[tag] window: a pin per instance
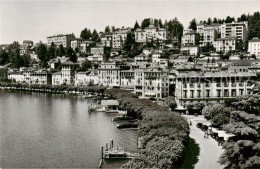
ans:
(233, 92)
(198, 93)
(241, 91)
(226, 93)
(192, 93)
(185, 93)
(207, 93)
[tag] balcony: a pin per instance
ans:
(233, 84)
(218, 84)
(226, 84)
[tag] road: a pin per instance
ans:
(209, 149)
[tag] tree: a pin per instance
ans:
(193, 24)
(215, 20)
(85, 34)
(72, 56)
(145, 23)
(61, 50)
(129, 42)
(209, 21)
(136, 25)
(51, 50)
(229, 19)
(3, 57)
(107, 29)
(42, 52)
(94, 35)
(86, 65)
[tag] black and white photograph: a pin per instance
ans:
(130, 84)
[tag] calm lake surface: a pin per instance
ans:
(44, 130)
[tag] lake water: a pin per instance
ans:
(44, 130)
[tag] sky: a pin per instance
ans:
(35, 20)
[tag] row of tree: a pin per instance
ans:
(163, 133)
(241, 118)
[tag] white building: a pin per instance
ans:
(190, 50)
(64, 40)
(109, 74)
(149, 33)
(16, 77)
(188, 37)
(86, 78)
(208, 35)
(151, 83)
(119, 37)
(195, 85)
(147, 51)
(75, 43)
(225, 44)
(234, 29)
(84, 45)
(254, 46)
(40, 78)
(25, 48)
(97, 57)
(106, 40)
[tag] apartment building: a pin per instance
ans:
(109, 74)
(234, 29)
(190, 50)
(106, 40)
(75, 43)
(149, 33)
(188, 37)
(254, 46)
(151, 83)
(127, 79)
(41, 78)
(208, 35)
(119, 37)
(64, 40)
(225, 44)
(195, 85)
(86, 78)
(67, 74)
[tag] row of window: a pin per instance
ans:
(225, 94)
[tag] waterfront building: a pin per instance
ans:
(109, 74)
(225, 44)
(254, 46)
(127, 79)
(16, 77)
(64, 40)
(190, 50)
(56, 78)
(151, 82)
(195, 85)
(119, 37)
(75, 43)
(234, 29)
(150, 33)
(40, 78)
(86, 78)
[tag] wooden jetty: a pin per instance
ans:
(112, 152)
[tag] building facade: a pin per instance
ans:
(64, 40)
(234, 29)
(254, 46)
(119, 37)
(225, 44)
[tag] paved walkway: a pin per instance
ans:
(209, 149)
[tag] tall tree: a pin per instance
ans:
(215, 20)
(136, 25)
(85, 34)
(3, 57)
(209, 21)
(193, 24)
(145, 23)
(51, 50)
(94, 35)
(61, 50)
(42, 52)
(107, 29)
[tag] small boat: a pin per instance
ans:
(122, 118)
(127, 125)
(103, 109)
(112, 111)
